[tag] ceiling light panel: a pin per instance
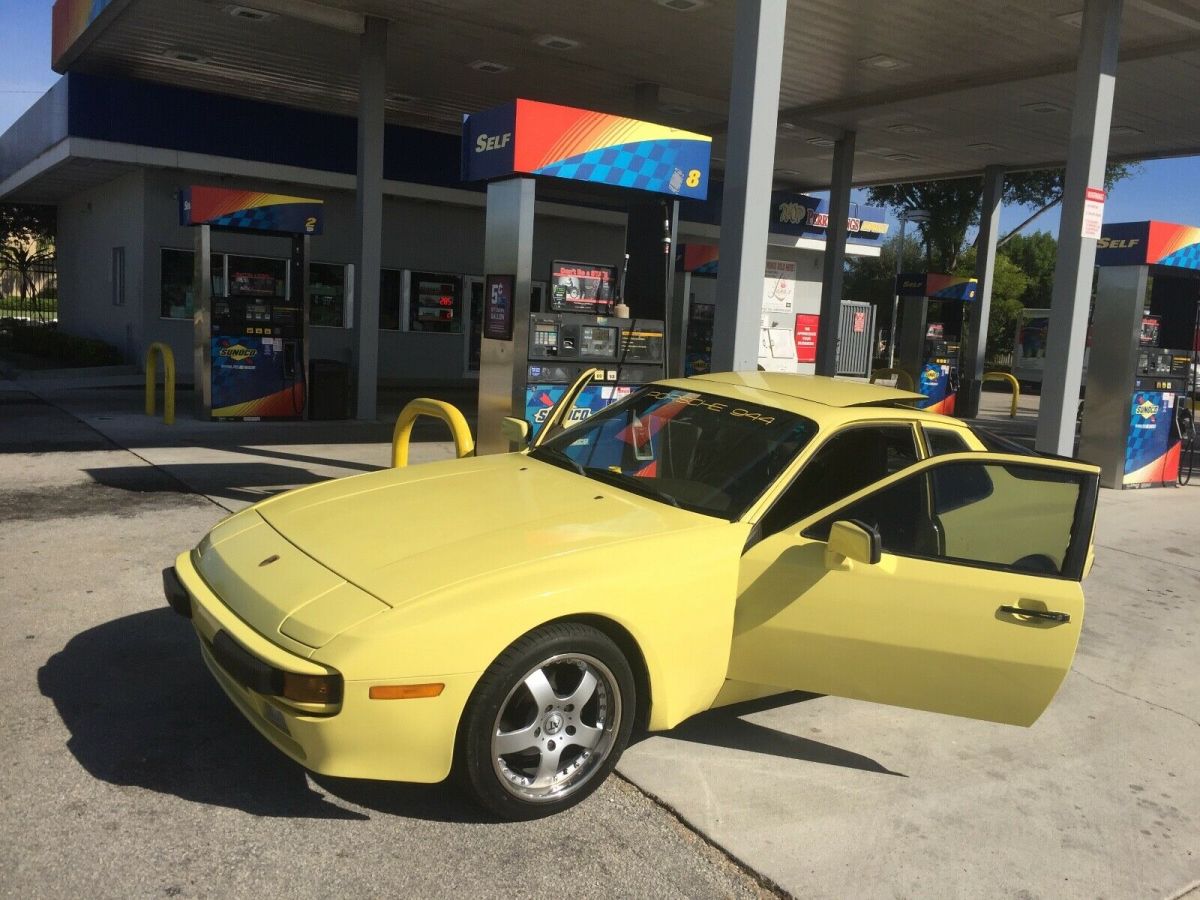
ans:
(682, 5)
(250, 14)
(908, 128)
(489, 67)
(883, 61)
(556, 42)
(1043, 107)
(179, 54)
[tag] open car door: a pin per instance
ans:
(952, 586)
(559, 417)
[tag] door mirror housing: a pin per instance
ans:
(514, 430)
(853, 540)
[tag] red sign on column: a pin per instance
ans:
(806, 337)
(860, 322)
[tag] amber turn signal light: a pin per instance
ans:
(311, 688)
(405, 691)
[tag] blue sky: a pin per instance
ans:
(1166, 189)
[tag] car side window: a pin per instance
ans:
(995, 515)
(941, 441)
(848, 461)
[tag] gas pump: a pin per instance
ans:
(627, 352)
(249, 335)
(1138, 406)
(257, 345)
(931, 332)
(511, 145)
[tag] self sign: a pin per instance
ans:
(492, 141)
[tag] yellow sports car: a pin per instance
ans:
(706, 540)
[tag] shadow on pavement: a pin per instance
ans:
(234, 480)
(725, 727)
(143, 711)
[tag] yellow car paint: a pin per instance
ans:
(426, 574)
(905, 631)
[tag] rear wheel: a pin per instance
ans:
(547, 721)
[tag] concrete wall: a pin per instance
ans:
(422, 235)
(90, 225)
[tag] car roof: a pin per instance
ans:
(812, 388)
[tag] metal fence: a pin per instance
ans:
(855, 338)
(30, 294)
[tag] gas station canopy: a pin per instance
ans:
(931, 89)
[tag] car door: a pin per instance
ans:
(972, 605)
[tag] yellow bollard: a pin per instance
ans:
(464, 444)
(155, 350)
(899, 375)
(1016, 387)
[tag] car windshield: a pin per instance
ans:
(701, 452)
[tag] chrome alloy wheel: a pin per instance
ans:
(556, 727)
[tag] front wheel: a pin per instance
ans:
(547, 721)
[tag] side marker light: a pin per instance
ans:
(405, 691)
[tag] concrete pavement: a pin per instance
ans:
(1100, 798)
(820, 796)
(127, 773)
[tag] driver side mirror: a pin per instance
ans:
(854, 540)
(514, 430)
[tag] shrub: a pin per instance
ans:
(68, 350)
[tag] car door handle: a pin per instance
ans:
(1047, 614)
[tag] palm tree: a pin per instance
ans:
(24, 259)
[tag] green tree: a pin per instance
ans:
(27, 222)
(873, 278)
(1009, 285)
(26, 244)
(954, 206)
(1035, 255)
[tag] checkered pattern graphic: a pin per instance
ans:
(1145, 445)
(261, 218)
(646, 165)
(1186, 258)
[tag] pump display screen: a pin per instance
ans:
(582, 287)
(597, 341)
(642, 345)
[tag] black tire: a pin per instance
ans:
(572, 745)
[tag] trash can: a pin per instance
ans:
(328, 389)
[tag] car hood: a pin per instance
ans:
(400, 534)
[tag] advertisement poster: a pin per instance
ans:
(582, 288)
(806, 337)
(497, 307)
(779, 287)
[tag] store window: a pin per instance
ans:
(435, 303)
(327, 295)
(175, 281)
(391, 285)
(257, 276)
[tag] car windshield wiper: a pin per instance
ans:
(556, 458)
(630, 483)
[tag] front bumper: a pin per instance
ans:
(393, 740)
